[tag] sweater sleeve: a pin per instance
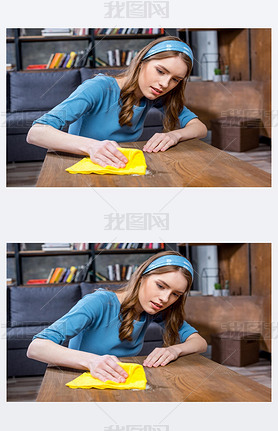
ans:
(86, 97)
(82, 315)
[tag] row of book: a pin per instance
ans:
(68, 60)
(65, 60)
(120, 31)
(56, 246)
(129, 245)
(119, 57)
(117, 272)
(64, 32)
(66, 275)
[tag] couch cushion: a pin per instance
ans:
(34, 306)
(154, 332)
(87, 288)
(153, 118)
(41, 91)
(21, 337)
(87, 73)
(19, 123)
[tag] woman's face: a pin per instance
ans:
(159, 291)
(158, 77)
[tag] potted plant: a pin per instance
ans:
(217, 290)
(217, 75)
(226, 76)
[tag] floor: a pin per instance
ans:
(27, 388)
(25, 174)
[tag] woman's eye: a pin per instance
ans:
(160, 286)
(160, 71)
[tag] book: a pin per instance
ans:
(129, 272)
(129, 57)
(36, 66)
(50, 275)
(110, 58)
(71, 59)
(110, 271)
(37, 281)
(56, 275)
(67, 273)
(50, 60)
(73, 270)
(117, 57)
(100, 277)
(54, 60)
(117, 272)
(57, 32)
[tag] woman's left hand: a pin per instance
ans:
(161, 356)
(161, 142)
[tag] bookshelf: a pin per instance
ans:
(34, 263)
(25, 263)
(19, 41)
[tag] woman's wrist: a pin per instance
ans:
(86, 145)
(86, 359)
(177, 348)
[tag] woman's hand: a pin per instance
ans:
(161, 142)
(161, 356)
(106, 368)
(106, 153)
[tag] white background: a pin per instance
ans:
(196, 215)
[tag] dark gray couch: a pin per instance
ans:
(31, 309)
(31, 94)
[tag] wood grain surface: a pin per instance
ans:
(188, 379)
(191, 163)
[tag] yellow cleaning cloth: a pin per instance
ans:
(136, 165)
(136, 379)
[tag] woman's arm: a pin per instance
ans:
(162, 356)
(103, 367)
(162, 141)
(101, 152)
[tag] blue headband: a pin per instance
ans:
(170, 45)
(171, 259)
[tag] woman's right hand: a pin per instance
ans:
(106, 368)
(106, 153)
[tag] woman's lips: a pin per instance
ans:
(156, 91)
(156, 306)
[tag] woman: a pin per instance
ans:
(106, 110)
(106, 324)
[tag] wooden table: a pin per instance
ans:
(190, 378)
(189, 164)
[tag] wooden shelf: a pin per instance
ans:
(127, 36)
(52, 38)
(28, 253)
(129, 250)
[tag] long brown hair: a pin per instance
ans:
(173, 316)
(174, 100)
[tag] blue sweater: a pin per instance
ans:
(93, 111)
(93, 326)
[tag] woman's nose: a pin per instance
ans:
(164, 81)
(164, 296)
